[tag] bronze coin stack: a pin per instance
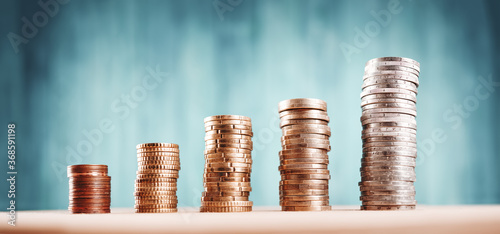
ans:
(228, 164)
(389, 135)
(304, 155)
(89, 189)
(156, 183)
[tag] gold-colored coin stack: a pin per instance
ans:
(228, 164)
(304, 156)
(89, 189)
(156, 183)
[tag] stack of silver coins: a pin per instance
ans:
(389, 112)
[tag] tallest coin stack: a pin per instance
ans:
(388, 103)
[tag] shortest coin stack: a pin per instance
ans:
(304, 158)
(89, 189)
(156, 183)
(228, 164)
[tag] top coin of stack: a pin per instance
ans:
(156, 183)
(228, 164)
(304, 158)
(89, 189)
(388, 103)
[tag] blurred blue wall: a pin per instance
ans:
(90, 56)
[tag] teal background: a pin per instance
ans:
(67, 78)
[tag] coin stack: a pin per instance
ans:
(156, 183)
(228, 164)
(89, 189)
(304, 155)
(388, 103)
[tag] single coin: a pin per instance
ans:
(227, 136)
(238, 146)
(384, 73)
(228, 189)
(389, 192)
(309, 192)
(302, 103)
(226, 184)
(227, 150)
(323, 156)
(226, 179)
(157, 145)
(391, 110)
(386, 188)
(228, 127)
(157, 149)
(381, 80)
(384, 134)
(228, 160)
(389, 129)
(305, 176)
(389, 143)
(304, 182)
(226, 193)
(304, 151)
(228, 131)
(370, 101)
(412, 207)
(323, 117)
(147, 210)
(400, 173)
(225, 141)
(155, 193)
(307, 131)
(302, 112)
(226, 174)
(304, 171)
(284, 123)
(389, 178)
(302, 187)
(226, 209)
(306, 126)
(393, 63)
(375, 203)
(302, 166)
(389, 163)
(389, 59)
(227, 198)
(305, 140)
(390, 124)
(413, 87)
(305, 136)
(304, 161)
(305, 198)
(305, 208)
(390, 138)
(158, 154)
(390, 153)
(400, 77)
(370, 69)
(368, 97)
(307, 145)
(304, 203)
(387, 198)
(228, 165)
(227, 169)
(389, 105)
(225, 203)
(227, 155)
(395, 116)
(226, 117)
(228, 122)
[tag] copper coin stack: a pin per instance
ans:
(304, 155)
(389, 135)
(156, 183)
(228, 164)
(89, 189)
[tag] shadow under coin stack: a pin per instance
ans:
(89, 189)
(304, 156)
(228, 164)
(388, 103)
(156, 183)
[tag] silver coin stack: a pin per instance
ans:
(388, 103)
